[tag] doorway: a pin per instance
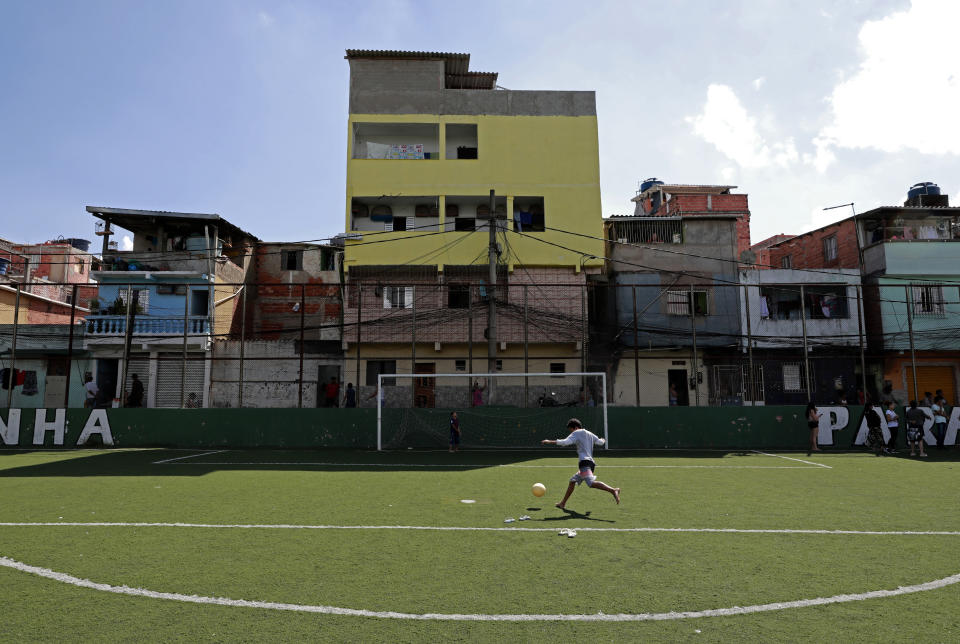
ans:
(677, 378)
(56, 383)
(424, 394)
(106, 380)
(324, 373)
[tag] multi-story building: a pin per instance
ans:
(910, 261)
(183, 276)
(801, 331)
(674, 275)
(289, 341)
(428, 140)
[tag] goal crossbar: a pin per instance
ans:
(391, 376)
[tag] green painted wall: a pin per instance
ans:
(782, 427)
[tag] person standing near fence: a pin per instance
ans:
(893, 424)
(915, 419)
(135, 397)
(454, 432)
(874, 431)
(91, 391)
(813, 422)
(350, 396)
(939, 421)
(332, 393)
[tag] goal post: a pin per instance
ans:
(496, 410)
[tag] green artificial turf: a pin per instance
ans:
(507, 570)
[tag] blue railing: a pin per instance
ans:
(147, 325)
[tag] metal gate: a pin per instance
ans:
(169, 379)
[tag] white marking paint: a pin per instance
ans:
(789, 458)
(467, 501)
(180, 458)
(480, 465)
(598, 617)
(289, 526)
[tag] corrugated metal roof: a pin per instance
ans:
(456, 66)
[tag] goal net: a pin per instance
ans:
(500, 410)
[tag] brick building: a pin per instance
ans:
(658, 199)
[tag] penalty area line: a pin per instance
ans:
(180, 458)
(598, 617)
(789, 458)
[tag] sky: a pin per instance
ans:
(240, 107)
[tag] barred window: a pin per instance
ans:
(678, 303)
(398, 297)
(793, 380)
(928, 300)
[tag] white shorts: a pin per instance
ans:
(585, 474)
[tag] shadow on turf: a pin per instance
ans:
(573, 514)
(143, 462)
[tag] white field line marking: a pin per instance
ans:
(179, 458)
(477, 465)
(286, 526)
(798, 460)
(599, 617)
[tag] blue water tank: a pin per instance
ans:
(647, 183)
(924, 188)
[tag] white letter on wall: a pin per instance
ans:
(833, 419)
(10, 432)
(97, 423)
(41, 426)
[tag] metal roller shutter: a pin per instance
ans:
(169, 375)
(933, 378)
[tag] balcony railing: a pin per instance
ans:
(107, 325)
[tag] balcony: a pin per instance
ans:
(116, 325)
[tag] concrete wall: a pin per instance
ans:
(271, 374)
(767, 428)
(417, 87)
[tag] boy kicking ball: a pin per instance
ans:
(584, 440)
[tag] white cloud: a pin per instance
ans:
(725, 123)
(265, 19)
(758, 83)
(126, 243)
(906, 92)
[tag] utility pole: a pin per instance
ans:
(491, 298)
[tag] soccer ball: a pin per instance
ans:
(539, 489)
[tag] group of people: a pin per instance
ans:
(875, 415)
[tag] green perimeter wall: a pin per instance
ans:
(780, 427)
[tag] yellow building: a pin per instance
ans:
(428, 140)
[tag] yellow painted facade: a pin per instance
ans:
(554, 157)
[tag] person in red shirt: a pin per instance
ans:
(332, 393)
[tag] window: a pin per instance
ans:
(396, 141)
(458, 296)
(378, 367)
(142, 296)
(465, 223)
(528, 214)
(78, 267)
(786, 261)
(648, 230)
(830, 248)
(499, 365)
(826, 302)
(171, 289)
(461, 141)
(398, 297)
(793, 380)
(928, 300)
(678, 303)
(558, 367)
(460, 365)
(291, 260)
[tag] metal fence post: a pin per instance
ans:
(863, 359)
(746, 306)
(303, 306)
(243, 341)
(693, 327)
(13, 348)
(183, 358)
(913, 354)
(636, 347)
(806, 354)
(526, 350)
(73, 321)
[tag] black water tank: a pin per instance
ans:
(79, 244)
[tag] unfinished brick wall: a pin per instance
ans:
(807, 250)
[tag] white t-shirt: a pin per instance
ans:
(584, 440)
(892, 420)
(92, 389)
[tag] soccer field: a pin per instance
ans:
(161, 545)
